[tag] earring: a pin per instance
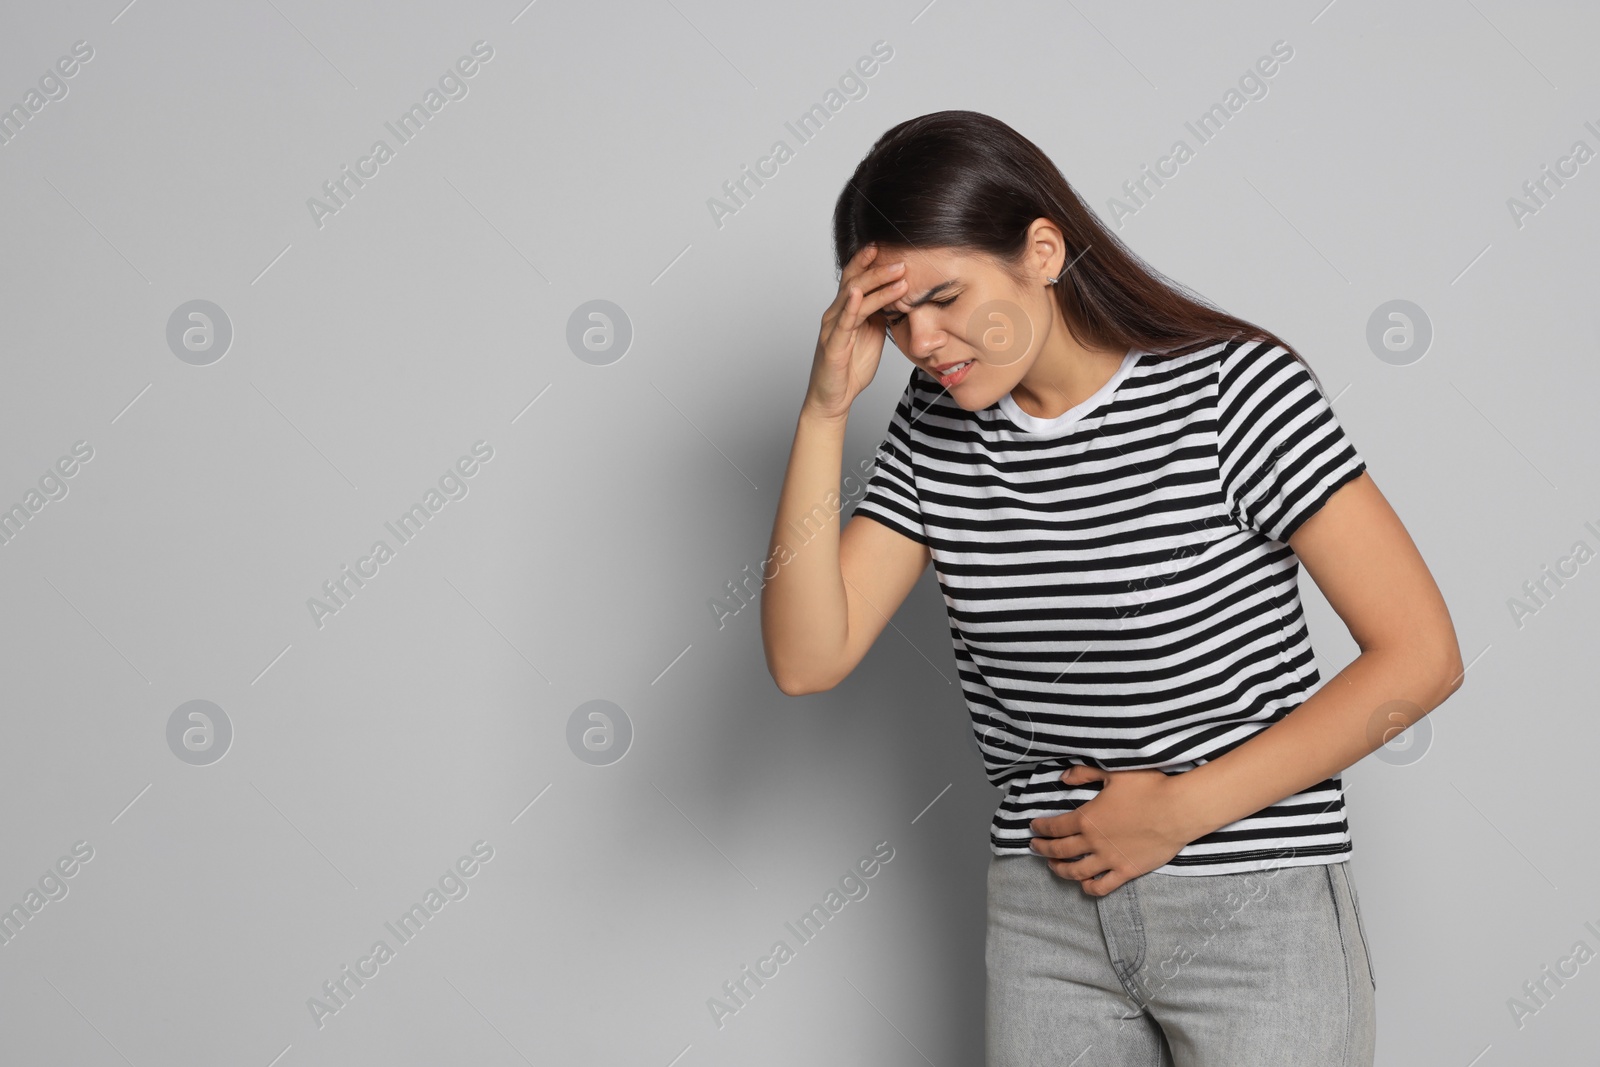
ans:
(1052, 281)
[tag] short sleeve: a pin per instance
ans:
(1281, 451)
(891, 496)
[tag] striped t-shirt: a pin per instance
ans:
(1118, 583)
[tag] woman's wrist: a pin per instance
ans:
(813, 415)
(1193, 807)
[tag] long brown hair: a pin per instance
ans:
(965, 180)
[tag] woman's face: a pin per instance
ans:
(962, 308)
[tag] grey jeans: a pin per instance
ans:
(1226, 970)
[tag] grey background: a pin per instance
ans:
(432, 711)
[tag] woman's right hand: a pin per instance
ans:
(851, 340)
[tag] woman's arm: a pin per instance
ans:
(833, 592)
(1361, 557)
(832, 595)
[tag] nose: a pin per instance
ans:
(921, 340)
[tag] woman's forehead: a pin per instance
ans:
(926, 267)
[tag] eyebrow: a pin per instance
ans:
(935, 291)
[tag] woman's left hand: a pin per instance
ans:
(1132, 826)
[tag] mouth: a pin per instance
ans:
(952, 373)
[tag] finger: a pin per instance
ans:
(851, 300)
(1109, 840)
(872, 302)
(880, 278)
(867, 283)
(886, 279)
(858, 309)
(857, 263)
(1063, 848)
(880, 273)
(1099, 887)
(867, 280)
(864, 255)
(1064, 825)
(847, 276)
(1080, 870)
(869, 274)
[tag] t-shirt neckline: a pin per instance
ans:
(1034, 424)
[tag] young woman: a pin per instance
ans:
(1116, 484)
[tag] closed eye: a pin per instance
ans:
(892, 320)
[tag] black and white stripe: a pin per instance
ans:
(1118, 583)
